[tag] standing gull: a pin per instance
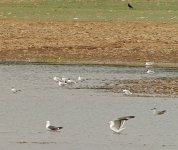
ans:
(155, 112)
(56, 79)
(15, 90)
(149, 64)
(117, 125)
(62, 83)
(52, 128)
(127, 92)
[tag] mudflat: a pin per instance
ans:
(88, 42)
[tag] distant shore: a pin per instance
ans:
(109, 43)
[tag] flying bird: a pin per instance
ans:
(130, 6)
(52, 128)
(117, 125)
(155, 112)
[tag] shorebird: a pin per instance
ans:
(52, 128)
(130, 6)
(127, 92)
(117, 125)
(155, 112)
(15, 90)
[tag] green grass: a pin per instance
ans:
(90, 10)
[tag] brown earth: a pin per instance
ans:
(88, 42)
(164, 86)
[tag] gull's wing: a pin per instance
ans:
(161, 112)
(118, 123)
(54, 128)
(126, 118)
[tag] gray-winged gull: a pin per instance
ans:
(52, 128)
(117, 125)
(15, 90)
(155, 112)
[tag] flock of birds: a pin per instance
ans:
(117, 125)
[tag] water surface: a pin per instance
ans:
(84, 113)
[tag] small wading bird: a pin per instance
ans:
(15, 90)
(130, 6)
(117, 125)
(155, 112)
(52, 128)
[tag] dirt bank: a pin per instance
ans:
(98, 42)
(163, 86)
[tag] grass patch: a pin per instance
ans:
(89, 10)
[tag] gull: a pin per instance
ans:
(155, 112)
(56, 79)
(62, 83)
(117, 125)
(149, 64)
(80, 78)
(15, 90)
(52, 128)
(150, 71)
(64, 79)
(70, 81)
(127, 92)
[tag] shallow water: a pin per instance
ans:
(84, 113)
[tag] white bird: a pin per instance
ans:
(80, 78)
(155, 112)
(117, 125)
(62, 83)
(52, 128)
(148, 64)
(150, 71)
(15, 90)
(56, 79)
(127, 92)
(64, 79)
(69, 81)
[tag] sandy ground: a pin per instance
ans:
(89, 42)
(162, 86)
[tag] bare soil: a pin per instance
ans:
(98, 42)
(165, 86)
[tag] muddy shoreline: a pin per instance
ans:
(111, 43)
